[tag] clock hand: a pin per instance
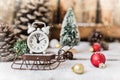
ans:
(41, 39)
(37, 38)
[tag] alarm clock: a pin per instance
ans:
(38, 39)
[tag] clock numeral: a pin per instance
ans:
(41, 35)
(43, 44)
(37, 35)
(32, 38)
(45, 41)
(30, 41)
(38, 48)
(31, 44)
(34, 47)
(41, 47)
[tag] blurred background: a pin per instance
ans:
(102, 15)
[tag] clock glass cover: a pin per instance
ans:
(38, 41)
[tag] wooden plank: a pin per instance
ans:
(108, 31)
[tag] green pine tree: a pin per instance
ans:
(69, 35)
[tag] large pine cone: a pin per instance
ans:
(6, 43)
(37, 11)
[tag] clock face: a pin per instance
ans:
(38, 41)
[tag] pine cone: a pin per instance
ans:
(6, 42)
(96, 36)
(38, 11)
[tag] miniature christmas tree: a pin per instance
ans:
(69, 35)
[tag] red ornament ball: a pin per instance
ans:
(96, 47)
(97, 59)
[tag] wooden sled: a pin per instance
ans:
(38, 62)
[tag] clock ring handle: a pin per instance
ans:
(38, 23)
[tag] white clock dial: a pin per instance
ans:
(38, 41)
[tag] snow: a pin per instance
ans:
(64, 72)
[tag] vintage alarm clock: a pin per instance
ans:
(38, 39)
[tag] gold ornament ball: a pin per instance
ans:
(78, 68)
(54, 43)
(57, 45)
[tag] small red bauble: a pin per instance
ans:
(98, 59)
(95, 47)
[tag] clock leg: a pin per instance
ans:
(44, 52)
(31, 52)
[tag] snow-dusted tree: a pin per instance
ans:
(69, 35)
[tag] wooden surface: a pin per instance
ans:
(86, 30)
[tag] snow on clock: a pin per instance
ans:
(38, 40)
